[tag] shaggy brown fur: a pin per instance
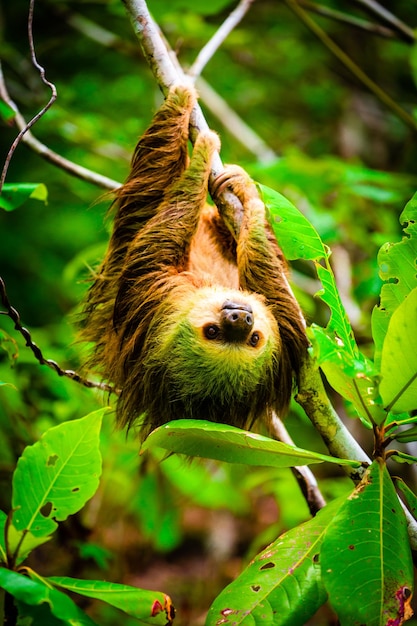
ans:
(188, 321)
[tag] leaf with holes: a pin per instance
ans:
(282, 585)
(366, 558)
(57, 475)
(149, 607)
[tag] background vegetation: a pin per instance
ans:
(345, 158)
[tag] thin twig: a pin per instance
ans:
(211, 47)
(377, 9)
(49, 155)
(303, 474)
(350, 20)
(352, 66)
(15, 317)
(43, 110)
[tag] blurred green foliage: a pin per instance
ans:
(342, 157)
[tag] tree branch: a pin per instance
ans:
(46, 153)
(229, 119)
(312, 397)
(168, 73)
(208, 51)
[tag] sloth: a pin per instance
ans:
(189, 319)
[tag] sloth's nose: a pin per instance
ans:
(236, 320)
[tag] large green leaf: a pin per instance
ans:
(366, 558)
(299, 240)
(282, 585)
(397, 263)
(57, 475)
(227, 443)
(149, 607)
(36, 593)
(398, 386)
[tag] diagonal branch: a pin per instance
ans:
(208, 51)
(26, 137)
(227, 116)
(15, 317)
(372, 6)
(167, 73)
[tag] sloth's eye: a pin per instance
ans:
(254, 339)
(211, 331)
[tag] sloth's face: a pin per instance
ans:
(235, 319)
(223, 344)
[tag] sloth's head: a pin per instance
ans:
(217, 356)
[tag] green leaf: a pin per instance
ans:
(398, 386)
(24, 542)
(339, 322)
(397, 267)
(13, 195)
(35, 593)
(403, 457)
(405, 436)
(299, 240)
(57, 475)
(150, 607)
(352, 377)
(282, 585)
(227, 443)
(366, 558)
